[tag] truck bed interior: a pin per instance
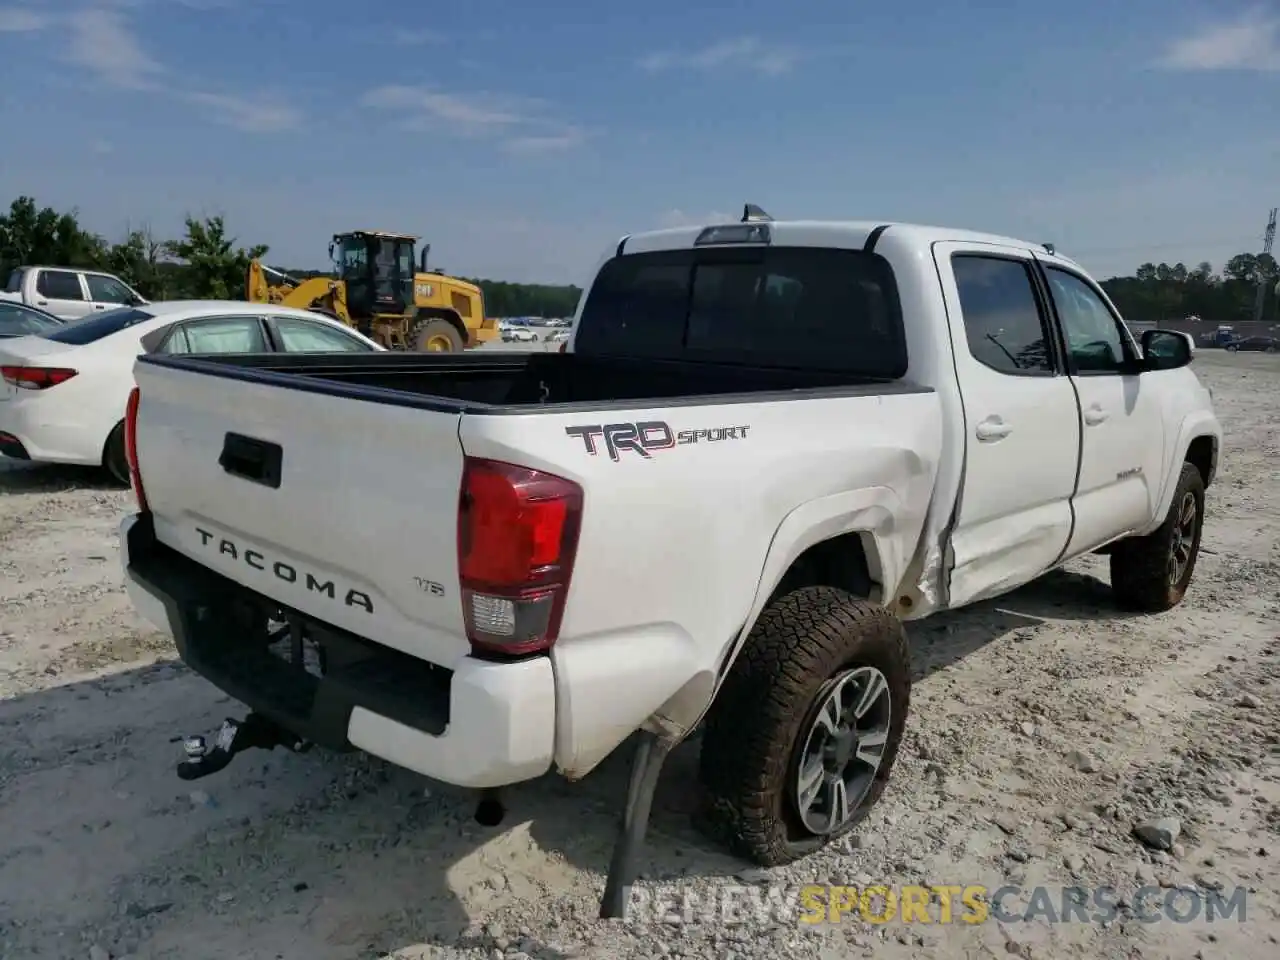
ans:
(505, 380)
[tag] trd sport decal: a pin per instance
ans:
(646, 437)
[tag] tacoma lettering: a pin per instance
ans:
(284, 571)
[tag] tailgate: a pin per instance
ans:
(352, 517)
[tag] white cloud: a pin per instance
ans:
(750, 53)
(22, 20)
(523, 123)
(1249, 42)
(566, 138)
(411, 37)
(103, 43)
(251, 114)
(473, 113)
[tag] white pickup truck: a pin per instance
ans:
(767, 445)
(69, 293)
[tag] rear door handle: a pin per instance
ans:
(258, 461)
(992, 429)
(1094, 416)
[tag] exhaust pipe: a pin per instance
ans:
(490, 810)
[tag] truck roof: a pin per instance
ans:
(845, 233)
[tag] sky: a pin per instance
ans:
(521, 140)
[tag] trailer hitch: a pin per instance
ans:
(234, 736)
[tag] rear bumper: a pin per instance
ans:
(27, 433)
(478, 725)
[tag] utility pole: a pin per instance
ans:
(1268, 239)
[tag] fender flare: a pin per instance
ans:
(870, 511)
(1192, 428)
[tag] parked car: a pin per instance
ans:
(17, 320)
(519, 334)
(69, 293)
(65, 389)
(1255, 344)
(721, 503)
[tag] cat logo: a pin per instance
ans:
(424, 289)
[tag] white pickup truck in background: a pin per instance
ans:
(69, 293)
(767, 445)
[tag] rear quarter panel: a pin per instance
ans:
(677, 549)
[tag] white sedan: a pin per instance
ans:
(519, 335)
(64, 392)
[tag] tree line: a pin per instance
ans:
(1159, 292)
(206, 263)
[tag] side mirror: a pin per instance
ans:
(1166, 349)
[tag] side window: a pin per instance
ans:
(59, 285)
(220, 335)
(1094, 337)
(14, 284)
(305, 336)
(175, 342)
(107, 289)
(1002, 321)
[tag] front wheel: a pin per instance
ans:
(1151, 574)
(436, 336)
(804, 732)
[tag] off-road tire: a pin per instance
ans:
(427, 328)
(750, 744)
(114, 460)
(1140, 565)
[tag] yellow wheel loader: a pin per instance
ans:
(377, 291)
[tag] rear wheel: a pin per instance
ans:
(113, 456)
(802, 737)
(435, 336)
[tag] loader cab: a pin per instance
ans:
(377, 269)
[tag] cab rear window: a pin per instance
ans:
(795, 307)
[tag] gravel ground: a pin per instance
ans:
(1045, 727)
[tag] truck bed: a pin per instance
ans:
(498, 383)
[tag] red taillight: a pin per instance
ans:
(563, 345)
(131, 447)
(36, 378)
(517, 535)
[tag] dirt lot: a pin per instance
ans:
(1045, 726)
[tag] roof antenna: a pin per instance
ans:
(752, 213)
(1049, 248)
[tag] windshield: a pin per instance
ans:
(101, 325)
(15, 282)
(797, 307)
(352, 256)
